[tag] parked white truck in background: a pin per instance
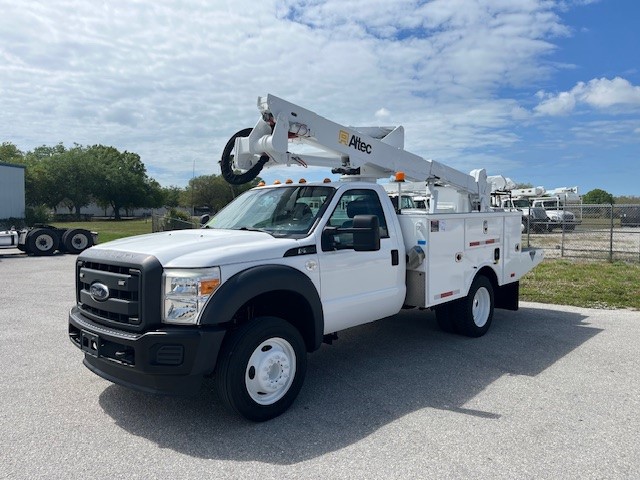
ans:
(556, 203)
(533, 201)
(284, 267)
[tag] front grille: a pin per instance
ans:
(104, 267)
(111, 316)
(134, 291)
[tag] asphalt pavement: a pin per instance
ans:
(550, 392)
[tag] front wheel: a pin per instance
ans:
(474, 313)
(261, 368)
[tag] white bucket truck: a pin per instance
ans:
(553, 202)
(284, 267)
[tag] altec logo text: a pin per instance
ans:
(353, 141)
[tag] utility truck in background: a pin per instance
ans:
(555, 202)
(542, 210)
(285, 267)
(505, 196)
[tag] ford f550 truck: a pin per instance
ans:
(284, 267)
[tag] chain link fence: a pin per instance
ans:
(589, 232)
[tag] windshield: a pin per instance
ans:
(281, 211)
(521, 203)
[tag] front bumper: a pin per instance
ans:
(170, 360)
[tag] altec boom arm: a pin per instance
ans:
(370, 152)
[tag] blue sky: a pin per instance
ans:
(543, 92)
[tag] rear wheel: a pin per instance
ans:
(76, 240)
(261, 368)
(42, 241)
(473, 314)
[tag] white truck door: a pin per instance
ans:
(360, 287)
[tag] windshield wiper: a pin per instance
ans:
(254, 229)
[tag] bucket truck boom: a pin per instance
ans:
(369, 152)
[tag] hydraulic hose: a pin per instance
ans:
(226, 162)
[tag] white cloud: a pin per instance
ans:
(172, 81)
(382, 114)
(561, 104)
(600, 93)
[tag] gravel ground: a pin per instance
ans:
(550, 392)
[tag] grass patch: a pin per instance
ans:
(583, 284)
(111, 229)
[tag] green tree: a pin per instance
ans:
(155, 194)
(41, 185)
(171, 196)
(74, 174)
(122, 180)
(213, 192)
(9, 153)
(57, 175)
(598, 196)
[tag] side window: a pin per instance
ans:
(352, 203)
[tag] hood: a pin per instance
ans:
(203, 247)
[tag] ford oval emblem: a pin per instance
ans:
(99, 292)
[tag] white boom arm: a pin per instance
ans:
(370, 152)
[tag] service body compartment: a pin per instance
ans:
(456, 246)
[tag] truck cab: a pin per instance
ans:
(152, 311)
(534, 219)
(556, 210)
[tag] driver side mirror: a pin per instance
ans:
(365, 231)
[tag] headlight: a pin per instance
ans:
(185, 293)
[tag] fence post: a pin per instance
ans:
(562, 229)
(611, 234)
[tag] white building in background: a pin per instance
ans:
(12, 195)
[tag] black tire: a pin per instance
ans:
(444, 317)
(226, 162)
(42, 241)
(76, 240)
(473, 313)
(265, 344)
